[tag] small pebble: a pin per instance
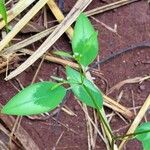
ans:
(113, 120)
(138, 53)
(148, 111)
(142, 87)
(136, 63)
(76, 107)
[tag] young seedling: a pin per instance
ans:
(45, 96)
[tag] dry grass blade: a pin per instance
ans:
(137, 119)
(16, 10)
(59, 16)
(68, 111)
(109, 7)
(22, 23)
(62, 27)
(114, 30)
(28, 41)
(13, 131)
(89, 128)
(128, 81)
(117, 107)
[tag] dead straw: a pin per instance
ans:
(22, 23)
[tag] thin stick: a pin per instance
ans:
(128, 81)
(54, 148)
(95, 133)
(13, 131)
(137, 120)
(88, 128)
(37, 71)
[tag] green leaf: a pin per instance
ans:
(80, 85)
(35, 99)
(85, 41)
(3, 11)
(63, 54)
(144, 137)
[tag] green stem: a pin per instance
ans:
(99, 112)
(81, 73)
(113, 143)
(121, 137)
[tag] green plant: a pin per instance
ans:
(45, 96)
(3, 12)
(142, 134)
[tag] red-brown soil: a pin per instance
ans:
(133, 26)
